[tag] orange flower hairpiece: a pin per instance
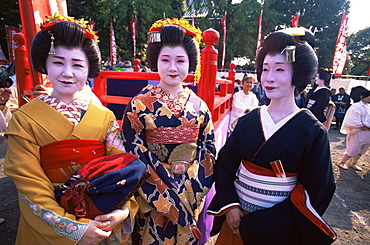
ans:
(51, 20)
(190, 29)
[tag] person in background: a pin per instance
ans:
(4, 76)
(276, 153)
(319, 95)
(342, 102)
(333, 92)
(243, 101)
(259, 91)
(68, 53)
(237, 85)
(356, 125)
(170, 129)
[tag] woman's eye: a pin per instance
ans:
(264, 69)
(164, 60)
(279, 69)
(181, 61)
(78, 65)
(58, 63)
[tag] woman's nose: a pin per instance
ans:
(67, 72)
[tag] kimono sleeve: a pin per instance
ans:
(38, 206)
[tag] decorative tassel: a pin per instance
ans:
(52, 49)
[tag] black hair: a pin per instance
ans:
(365, 94)
(325, 75)
(305, 65)
(173, 36)
(69, 35)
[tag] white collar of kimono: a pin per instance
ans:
(268, 125)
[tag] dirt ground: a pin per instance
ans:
(348, 213)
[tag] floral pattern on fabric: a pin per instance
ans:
(71, 111)
(62, 226)
(169, 202)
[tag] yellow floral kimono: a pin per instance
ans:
(43, 220)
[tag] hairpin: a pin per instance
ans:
(52, 49)
(51, 20)
(289, 52)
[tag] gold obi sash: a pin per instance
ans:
(259, 188)
(61, 159)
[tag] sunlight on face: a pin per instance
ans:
(67, 71)
(276, 77)
(173, 66)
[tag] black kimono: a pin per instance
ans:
(302, 145)
(318, 101)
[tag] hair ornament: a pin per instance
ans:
(52, 48)
(154, 31)
(47, 25)
(289, 52)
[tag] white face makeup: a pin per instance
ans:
(277, 76)
(173, 67)
(67, 71)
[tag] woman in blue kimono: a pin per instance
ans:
(170, 129)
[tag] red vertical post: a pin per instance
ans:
(29, 30)
(207, 83)
(22, 69)
(231, 76)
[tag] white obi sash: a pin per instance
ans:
(258, 192)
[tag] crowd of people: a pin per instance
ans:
(277, 154)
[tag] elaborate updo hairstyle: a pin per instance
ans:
(325, 75)
(305, 60)
(173, 36)
(69, 35)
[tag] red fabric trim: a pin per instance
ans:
(298, 198)
(172, 135)
(100, 166)
(70, 152)
(255, 169)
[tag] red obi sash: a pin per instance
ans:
(61, 159)
(172, 135)
(277, 169)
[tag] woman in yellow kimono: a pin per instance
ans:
(65, 50)
(170, 129)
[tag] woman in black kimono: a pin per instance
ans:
(319, 96)
(277, 157)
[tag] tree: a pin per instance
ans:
(358, 46)
(321, 16)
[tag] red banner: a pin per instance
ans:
(10, 31)
(259, 39)
(296, 19)
(133, 33)
(223, 21)
(340, 53)
(113, 51)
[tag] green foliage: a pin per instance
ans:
(321, 16)
(358, 47)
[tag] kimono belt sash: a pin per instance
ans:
(259, 188)
(61, 159)
(172, 135)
